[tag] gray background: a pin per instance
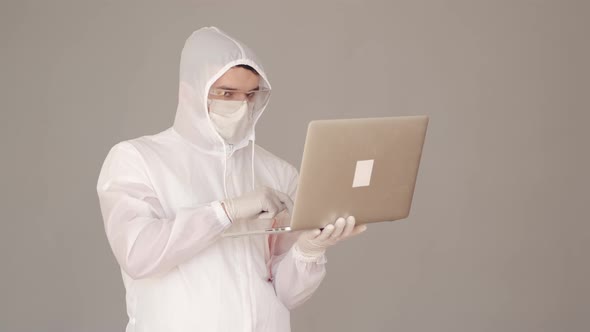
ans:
(498, 236)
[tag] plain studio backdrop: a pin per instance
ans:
(498, 238)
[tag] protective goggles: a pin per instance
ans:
(257, 95)
(256, 99)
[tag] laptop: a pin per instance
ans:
(366, 168)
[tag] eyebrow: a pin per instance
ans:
(223, 87)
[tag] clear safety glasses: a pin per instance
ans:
(255, 98)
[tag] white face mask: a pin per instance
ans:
(231, 118)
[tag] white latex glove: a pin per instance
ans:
(263, 203)
(315, 242)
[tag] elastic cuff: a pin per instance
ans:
(299, 256)
(221, 215)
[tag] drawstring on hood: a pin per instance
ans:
(208, 54)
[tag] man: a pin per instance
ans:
(167, 198)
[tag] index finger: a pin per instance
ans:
(285, 199)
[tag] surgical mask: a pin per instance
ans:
(231, 118)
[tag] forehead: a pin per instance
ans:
(238, 78)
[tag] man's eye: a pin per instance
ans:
(250, 95)
(227, 94)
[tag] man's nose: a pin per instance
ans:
(242, 96)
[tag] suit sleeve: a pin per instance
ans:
(144, 241)
(296, 277)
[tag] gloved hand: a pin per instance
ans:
(315, 242)
(263, 203)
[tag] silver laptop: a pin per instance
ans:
(366, 168)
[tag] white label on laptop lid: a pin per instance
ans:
(362, 174)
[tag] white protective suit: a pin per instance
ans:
(160, 199)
